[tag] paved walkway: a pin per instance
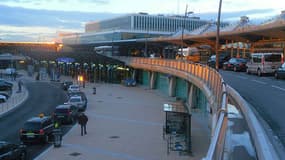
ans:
(124, 124)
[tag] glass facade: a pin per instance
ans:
(146, 23)
(134, 26)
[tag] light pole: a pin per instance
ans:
(182, 32)
(218, 36)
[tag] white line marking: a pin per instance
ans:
(282, 89)
(260, 82)
(241, 77)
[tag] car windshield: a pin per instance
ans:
(61, 110)
(32, 126)
(75, 100)
(74, 87)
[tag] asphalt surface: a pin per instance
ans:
(265, 94)
(43, 98)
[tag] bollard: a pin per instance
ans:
(57, 137)
(94, 90)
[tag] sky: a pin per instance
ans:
(40, 20)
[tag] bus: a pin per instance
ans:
(107, 50)
(190, 54)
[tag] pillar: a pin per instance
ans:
(152, 80)
(172, 86)
(190, 98)
(134, 72)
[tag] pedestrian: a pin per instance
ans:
(82, 120)
(14, 76)
(20, 83)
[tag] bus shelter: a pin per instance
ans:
(177, 128)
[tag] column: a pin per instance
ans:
(134, 72)
(190, 98)
(172, 86)
(152, 80)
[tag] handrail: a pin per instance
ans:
(222, 122)
(213, 80)
(264, 147)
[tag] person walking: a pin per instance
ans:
(82, 120)
(20, 84)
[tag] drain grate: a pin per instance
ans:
(99, 101)
(119, 97)
(114, 137)
(74, 154)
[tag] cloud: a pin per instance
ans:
(29, 17)
(254, 14)
(28, 22)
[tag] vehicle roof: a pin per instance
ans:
(76, 93)
(74, 85)
(265, 53)
(63, 106)
(2, 96)
(68, 82)
(2, 143)
(38, 119)
(75, 96)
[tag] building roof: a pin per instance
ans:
(247, 33)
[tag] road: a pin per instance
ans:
(265, 94)
(43, 98)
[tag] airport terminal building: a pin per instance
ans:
(133, 27)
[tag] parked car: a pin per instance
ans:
(3, 81)
(74, 88)
(235, 64)
(10, 71)
(129, 82)
(37, 129)
(3, 98)
(6, 88)
(82, 94)
(264, 63)
(280, 72)
(77, 101)
(66, 113)
(66, 84)
(223, 57)
(10, 151)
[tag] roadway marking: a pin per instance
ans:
(282, 89)
(257, 81)
(241, 77)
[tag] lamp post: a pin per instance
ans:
(182, 32)
(218, 36)
(183, 26)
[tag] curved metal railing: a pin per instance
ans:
(215, 83)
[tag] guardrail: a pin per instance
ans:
(213, 80)
(263, 146)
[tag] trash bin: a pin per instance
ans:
(94, 90)
(57, 137)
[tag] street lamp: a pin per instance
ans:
(183, 26)
(218, 36)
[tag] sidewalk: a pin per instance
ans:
(125, 123)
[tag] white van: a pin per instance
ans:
(263, 63)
